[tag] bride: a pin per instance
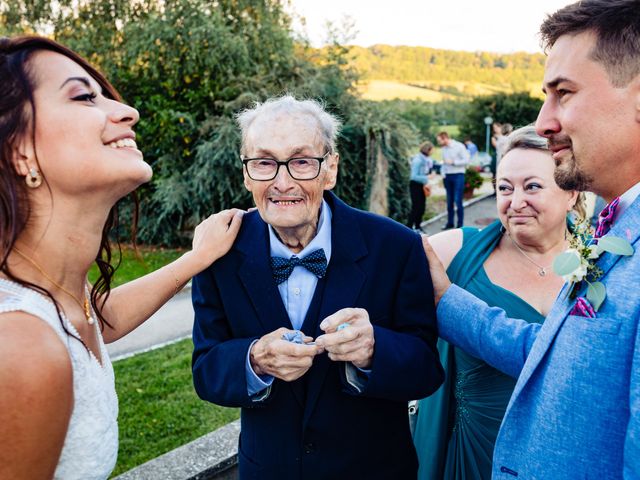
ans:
(68, 154)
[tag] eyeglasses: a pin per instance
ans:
(302, 168)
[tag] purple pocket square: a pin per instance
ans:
(583, 308)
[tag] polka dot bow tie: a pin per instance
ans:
(315, 262)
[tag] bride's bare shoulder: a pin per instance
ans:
(36, 396)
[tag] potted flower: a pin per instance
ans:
(472, 180)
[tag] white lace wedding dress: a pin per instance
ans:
(91, 445)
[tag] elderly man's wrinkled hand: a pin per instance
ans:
(439, 276)
(348, 337)
(272, 355)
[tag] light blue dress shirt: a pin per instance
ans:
(627, 198)
(296, 292)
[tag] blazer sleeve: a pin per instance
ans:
(631, 467)
(219, 361)
(405, 362)
(485, 332)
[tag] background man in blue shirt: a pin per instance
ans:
(306, 266)
(472, 148)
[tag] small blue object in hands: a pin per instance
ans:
(295, 337)
(341, 326)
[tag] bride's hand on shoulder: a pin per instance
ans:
(215, 235)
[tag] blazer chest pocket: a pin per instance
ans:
(606, 325)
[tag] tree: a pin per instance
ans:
(188, 66)
(518, 109)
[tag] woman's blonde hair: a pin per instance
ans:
(527, 138)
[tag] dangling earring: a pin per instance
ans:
(33, 179)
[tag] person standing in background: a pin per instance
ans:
(455, 159)
(421, 165)
(501, 140)
(472, 148)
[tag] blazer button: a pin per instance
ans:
(504, 469)
(309, 447)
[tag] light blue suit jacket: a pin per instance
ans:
(575, 411)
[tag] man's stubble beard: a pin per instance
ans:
(568, 176)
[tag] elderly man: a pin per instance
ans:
(319, 322)
(455, 158)
(575, 411)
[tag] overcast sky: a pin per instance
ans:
(488, 25)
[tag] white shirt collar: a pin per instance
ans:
(321, 240)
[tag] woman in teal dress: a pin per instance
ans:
(508, 265)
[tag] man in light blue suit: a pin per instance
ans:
(575, 411)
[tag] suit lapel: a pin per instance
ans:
(343, 283)
(256, 277)
(625, 227)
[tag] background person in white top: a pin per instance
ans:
(455, 158)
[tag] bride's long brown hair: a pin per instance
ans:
(17, 119)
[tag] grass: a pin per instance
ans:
(436, 204)
(159, 409)
(378, 90)
(134, 265)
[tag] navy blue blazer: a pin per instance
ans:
(319, 426)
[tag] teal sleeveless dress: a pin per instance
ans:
(457, 426)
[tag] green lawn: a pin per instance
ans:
(135, 265)
(159, 410)
(436, 204)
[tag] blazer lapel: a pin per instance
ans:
(343, 283)
(625, 227)
(256, 277)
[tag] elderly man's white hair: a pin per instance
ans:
(329, 125)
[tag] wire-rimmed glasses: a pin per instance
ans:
(300, 168)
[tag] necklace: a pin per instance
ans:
(83, 305)
(542, 271)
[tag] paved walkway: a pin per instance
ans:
(478, 212)
(174, 321)
(171, 323)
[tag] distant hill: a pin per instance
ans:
(431, 74)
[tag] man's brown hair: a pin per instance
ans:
(616, 24)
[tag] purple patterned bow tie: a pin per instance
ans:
(606, 217)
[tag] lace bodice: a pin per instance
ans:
(91, 445)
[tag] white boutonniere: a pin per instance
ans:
(579, 262)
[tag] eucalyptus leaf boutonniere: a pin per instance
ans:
(578, 263)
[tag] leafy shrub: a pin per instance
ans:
(472, 178)
(188, 66)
